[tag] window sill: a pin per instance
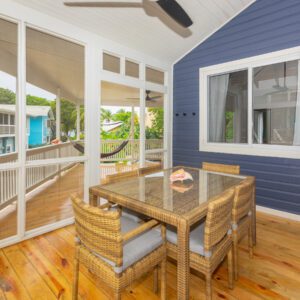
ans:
(255, 150)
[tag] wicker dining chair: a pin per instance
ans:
(241, 218)
(116, 249)
(230, 169)
(210, 240)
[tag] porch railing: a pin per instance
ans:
(36, 176)
(132, 150)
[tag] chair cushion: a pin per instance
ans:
(136, 248)
(196, 238)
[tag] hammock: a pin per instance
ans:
(78, 146)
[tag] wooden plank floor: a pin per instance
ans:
(42, 268)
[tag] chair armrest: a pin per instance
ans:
(144, 227)
(105, 205)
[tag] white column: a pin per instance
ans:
(58, 106)
(21, 128)
(131, 134)
(132, 122)
(92, 100)
(167, 123)
(78, 121)
(142, 117)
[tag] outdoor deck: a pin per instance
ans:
(44, 266)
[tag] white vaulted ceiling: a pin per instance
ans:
(141, 29)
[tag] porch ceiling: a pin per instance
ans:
(113, 94)
(147, 29)
(52, 63)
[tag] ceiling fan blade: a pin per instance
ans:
(119, 4)
(175, 11)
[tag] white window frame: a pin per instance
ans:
(249, 64)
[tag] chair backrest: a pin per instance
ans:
(98, 230)
(230, 169)
(243, 199)
(150, 169)
(121, 176)
(218, 219)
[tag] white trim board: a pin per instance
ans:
(35, 232)
(278, 213)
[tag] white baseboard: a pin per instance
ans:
(35, 232)
(278, 213)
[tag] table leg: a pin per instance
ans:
(93, 199)
(183, 260)
(254, 216)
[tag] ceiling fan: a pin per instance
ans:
(171, 7)
(148, 97)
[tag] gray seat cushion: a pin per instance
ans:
(136, 248)
(196, 238)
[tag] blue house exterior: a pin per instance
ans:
(265, 26)
(39, 132)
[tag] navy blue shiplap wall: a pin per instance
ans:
(265, 26)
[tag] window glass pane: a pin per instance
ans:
(8, 203)
(111, 63)
(276, 104)
(48, 190)
(132, 69)
(120, 128)
(55, 96)
(8, 81)
(154, 126)
(155, 76)
(227, 108)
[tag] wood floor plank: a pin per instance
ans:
(57, 282)
(10, 284)
(33, 282)
(87, 289)
(273, 273)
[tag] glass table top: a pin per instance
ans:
(157, 190)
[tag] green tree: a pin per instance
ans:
(156, 131)
(7, 96)
(38, 101)
(106, 115)
(74, 117)
(67, 116)
(125, 118)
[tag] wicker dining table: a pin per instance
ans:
(177, 204)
